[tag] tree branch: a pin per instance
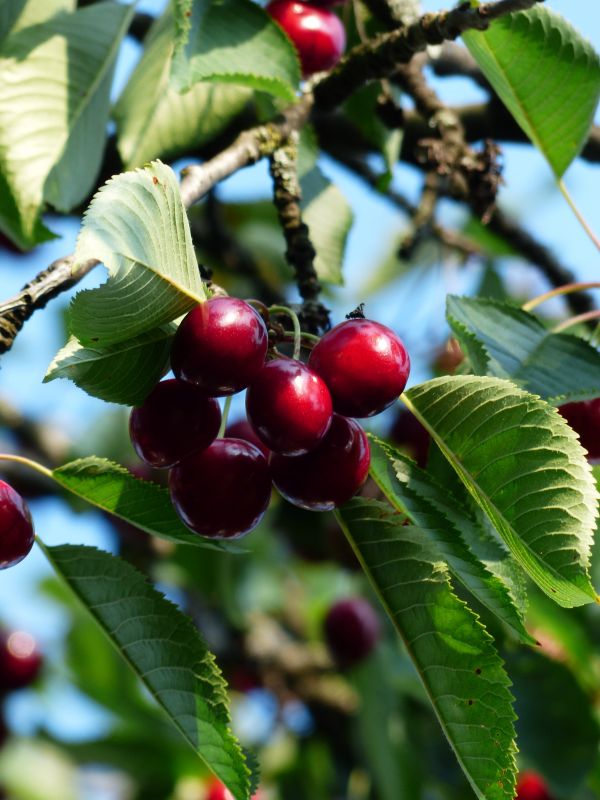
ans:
(379, 57)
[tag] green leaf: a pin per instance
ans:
(232, 41)
(122, 373)
(325, 211)
(525, 468)
(547, 75)
(18, 14)
(53, 120)
(452, 652)
(165, 651)
(153, 120)
(114, 489)
(507, 342)
(137, 226)
(427, 504)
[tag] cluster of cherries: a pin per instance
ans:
(316, 32)
(309, 444)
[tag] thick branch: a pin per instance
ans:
(379, 58)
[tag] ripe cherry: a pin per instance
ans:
(330, 474)
(317, 33)
(289, 407)
(174, 421)
(584, 418)
(16, 528)
(220, 346)
(218, 791)
(241, 429)
(20, 660)
(532, 786)
(352, 630)
(223, 491)
(364, 364)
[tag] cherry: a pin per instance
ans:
(218, 791)
(241, 429)
(330, 474)
(220, 346)
(16, 528)
(351, 630)
(223, 491)
(584, 418)
(289, 407)
(317, 33)
(174, 421)
(20, 660)
(365, 365)
(408, 432)
(532, 786)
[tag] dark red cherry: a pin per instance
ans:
(20, 660)
(241, 429)
(174, 421)
(532, 786)
(330, 474)
(16, 528)
(289, 407)
(317, 33)
(364, 364)
(351, 630)
(584, 418)
(223, 491)
(220, 346)
(408, 432)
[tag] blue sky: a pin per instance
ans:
(416, 311)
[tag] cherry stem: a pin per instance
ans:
(225, 417)
(568, 323)
(27, 462)
(582, 220)
(568, 288)
(295, 322)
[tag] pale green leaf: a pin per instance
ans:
(122, 373)
(525, 468)
(507, 342)
(18, 14)
(232, 41)
(55, 82)
(164, 649)
(546, 74)
(115, 490)
(427, 504)
(155, 121)
(137, 226)
(452, 652)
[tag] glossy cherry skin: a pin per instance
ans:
(330, 474)
(20, 660)
(351, 630)
(364, 364)
(241, 429)
(223, 491)
(317, 33)
(220, 346)
(289, 407)
(174, 421)
(16, 528)
(532, 786)
(584, 418)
